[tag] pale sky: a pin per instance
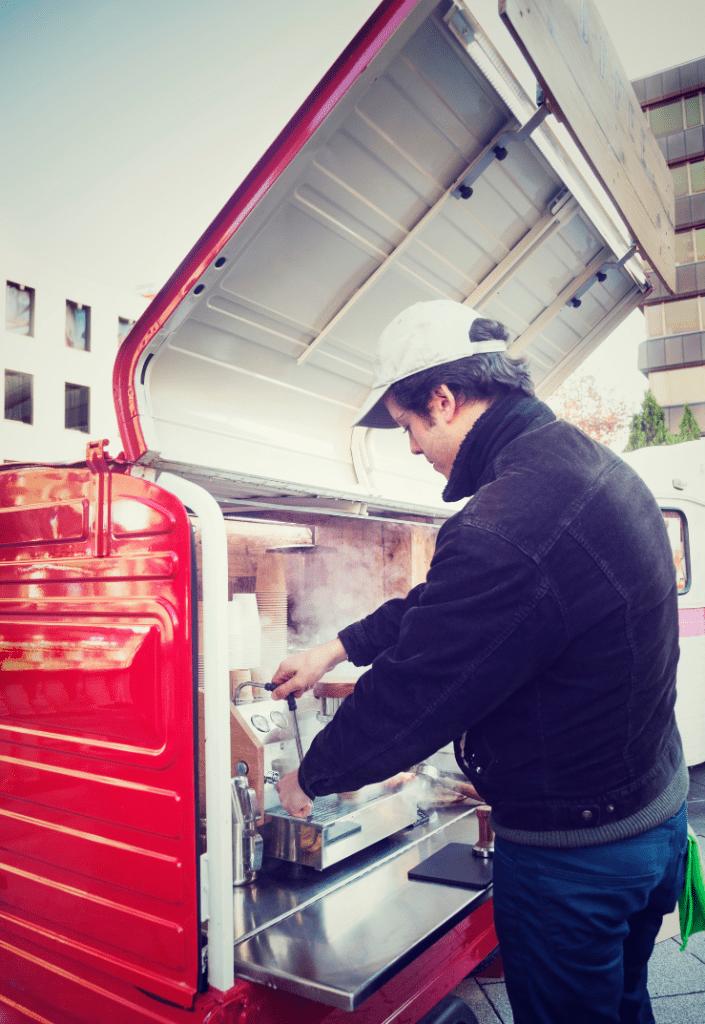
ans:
(129, 123)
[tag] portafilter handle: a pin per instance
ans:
(484, 847)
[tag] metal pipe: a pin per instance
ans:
(291, 702)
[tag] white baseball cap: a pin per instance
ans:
(423, 335)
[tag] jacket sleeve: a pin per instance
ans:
(365, 639)
(484, 624)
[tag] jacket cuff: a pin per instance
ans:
(302, 783)
(356, 644)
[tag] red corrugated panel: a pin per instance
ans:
(97, 797)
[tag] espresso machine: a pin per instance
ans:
(268, 739)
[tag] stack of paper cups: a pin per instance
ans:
(246, 630)
(272, 613)
(235, 637)
(270, 591)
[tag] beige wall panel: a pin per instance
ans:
(676, 387)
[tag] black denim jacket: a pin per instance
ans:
(544, 640)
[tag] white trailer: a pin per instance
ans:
(676, 476)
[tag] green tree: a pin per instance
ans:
(688, 429)
(637, 435)
(648, 426)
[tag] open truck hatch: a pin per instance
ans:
(418, 169)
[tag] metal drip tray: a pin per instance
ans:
(336, 828)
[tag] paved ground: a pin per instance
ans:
(676, 979)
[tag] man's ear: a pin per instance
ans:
(443, 403)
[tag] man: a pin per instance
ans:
(544, 642)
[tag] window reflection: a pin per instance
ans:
(78, 325)
(676, 526)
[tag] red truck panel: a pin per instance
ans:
(98, 860)
(89, 997)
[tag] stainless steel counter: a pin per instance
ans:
(337, 936)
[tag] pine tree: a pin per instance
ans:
(649, 426)
(637, 437)
(688, 429)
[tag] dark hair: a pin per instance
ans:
(485, 375)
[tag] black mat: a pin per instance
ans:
(455, 865)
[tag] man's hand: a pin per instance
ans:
(303, 670)
(293, 799)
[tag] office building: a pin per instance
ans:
(673, 355)
(61, 334)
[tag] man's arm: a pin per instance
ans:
(487, 622)
(303, 670)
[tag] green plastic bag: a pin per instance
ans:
(691, 902)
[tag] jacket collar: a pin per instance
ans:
(507, 418)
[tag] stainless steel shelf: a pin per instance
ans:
(337, 936)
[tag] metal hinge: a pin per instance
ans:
(601, 275)
(498, 152)
(460, 25)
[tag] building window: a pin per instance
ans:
(667, 118)
(19, 309)
(699, 243)
(124, 328)
(681, 185)
(690, 246)
(684, 247)
(679, 317)
(18, 396)
(693, 111)
(697, 176)
(675, 115)
(78, 325)
(689, 179)
(77, 410)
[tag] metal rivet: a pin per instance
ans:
(610, 807)
(587, 815)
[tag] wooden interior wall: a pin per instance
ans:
(355, 566)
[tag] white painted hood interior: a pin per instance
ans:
(254, 379)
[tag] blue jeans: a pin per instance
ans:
(576, 928)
